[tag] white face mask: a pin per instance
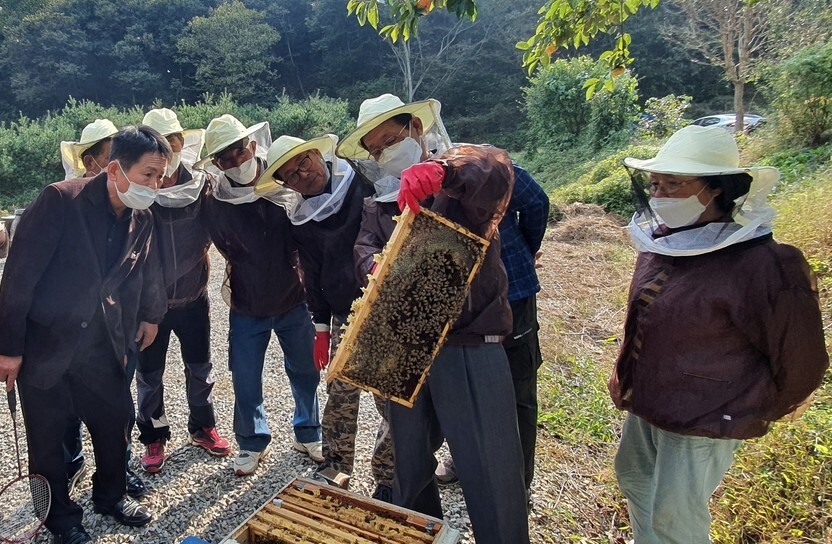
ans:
(400, 156)
(137, 196)
(678, 212)
(173, 164)
(245, 173)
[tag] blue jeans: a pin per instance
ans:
(248, 339)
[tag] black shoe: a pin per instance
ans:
(383, 493)
(127, 512)
(75, 535)
(74, 478)
(135, 485)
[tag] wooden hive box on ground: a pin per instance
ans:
(414, 296)
(306, 511)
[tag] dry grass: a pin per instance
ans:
(586, 270)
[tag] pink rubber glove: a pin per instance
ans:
(321, 351)
(419, 182)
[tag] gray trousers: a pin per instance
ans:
(468, 399)
(668, 479)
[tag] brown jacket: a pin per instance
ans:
(721, 344)
(263, 271)
(475, 194)
(54, 282)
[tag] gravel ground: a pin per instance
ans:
(197, 494)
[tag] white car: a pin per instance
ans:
(728, 120)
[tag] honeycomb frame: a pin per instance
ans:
(359, 332)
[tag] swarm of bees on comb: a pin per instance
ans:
(416, 294)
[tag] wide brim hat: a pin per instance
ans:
(93, 133)
(165, 122)
(706, 151)
(223, 131)
(286, 147)
(375, 111)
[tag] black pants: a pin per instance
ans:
(73, 437)
(191, 324)
(95, 390)
(524, 359)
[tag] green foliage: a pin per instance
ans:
(606, 184)
(798, 164)
(803, 89)
(663, 116)
(230, 50)
(780, 486)
(405, 14)
(559, 114)
(29, 149)
(45, 52)
(577, 405)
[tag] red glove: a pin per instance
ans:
(321, 351)
(419, 182)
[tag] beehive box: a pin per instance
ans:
(306, 511)
(415, 295)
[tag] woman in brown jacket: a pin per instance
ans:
(723, 333)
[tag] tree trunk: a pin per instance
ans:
(739, 105)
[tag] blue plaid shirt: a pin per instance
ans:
(521, 232)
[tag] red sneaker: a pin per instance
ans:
(210, 441)
(154, 458)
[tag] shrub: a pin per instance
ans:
(803, 93)
(560, 116)
(606, 184)
(663, 116)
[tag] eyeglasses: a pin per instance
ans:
(294, 177)
(375, 152)
(668, 186)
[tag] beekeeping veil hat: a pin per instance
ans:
(166, 123)
(225, 130)
(702, 152)
(375, 111)
(180, 195)
(317, 207)
(71, 152)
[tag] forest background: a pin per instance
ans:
(305, 66)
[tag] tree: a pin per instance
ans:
(45, 55)
(731, 34)
(436, 58)
(562, 24)
(230, 51)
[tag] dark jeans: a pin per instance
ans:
(467, 399)
(523, 351)
(191, 324)
(73, 436)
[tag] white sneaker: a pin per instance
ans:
(246, 461)
(313, 449)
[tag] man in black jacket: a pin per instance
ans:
(183, 241)
(80, 293)
(325, 223)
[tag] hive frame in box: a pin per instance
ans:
(391, 251)
(285, 505)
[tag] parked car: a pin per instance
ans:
(729, 120)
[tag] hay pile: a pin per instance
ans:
(587, 222)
